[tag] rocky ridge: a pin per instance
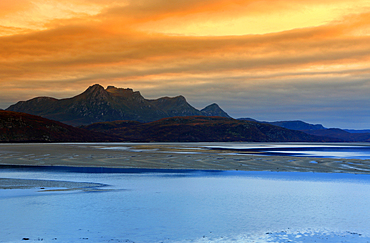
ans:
(97, 104)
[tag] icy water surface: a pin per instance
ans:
(185, 206)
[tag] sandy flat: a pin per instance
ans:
(167, 156)
(47, 185)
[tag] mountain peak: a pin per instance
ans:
(180, 97)
(94, 88)
(113, 89)
(214, 110)
(212, 106)
(94, 92)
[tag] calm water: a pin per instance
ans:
(188, 206)
(347, 151)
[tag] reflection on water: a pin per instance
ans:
(302, 150)
(189, 206)
(286, 236)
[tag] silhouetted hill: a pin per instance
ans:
(202, 129)
(343, 135)
(21, 127)
(292, 125)
(214, 110)
(97, 104)
(319, 130)
(297, 125)
(357, 131)
(248, 119)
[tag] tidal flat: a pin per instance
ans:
(196, 156)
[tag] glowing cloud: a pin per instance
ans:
(268, 54)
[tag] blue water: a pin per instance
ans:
(346, 151)
(188, 206)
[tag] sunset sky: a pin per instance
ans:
(269, 59)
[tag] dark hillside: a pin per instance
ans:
(21, 127)
(341, 134)
(203, 129)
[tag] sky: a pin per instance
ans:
(269, 60)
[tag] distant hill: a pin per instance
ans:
(214, 110)
(202, 129)
(21, 127)
(357, 131)
(249, 119)
(320, 130)
(292, 125)
(343, 135)
(97, 104)
(297, 125)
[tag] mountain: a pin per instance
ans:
(292, 125)
(248, 119)
(214, 110)
(202, 129)
(97, 104)
(21, 127)
(343, 135)
(297, 125)
(320, 130)
(357, 131)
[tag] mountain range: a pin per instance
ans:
(292, 125)
(201, 129)
(22, 127)
(116, 114)
(97, 104)
(341, 135)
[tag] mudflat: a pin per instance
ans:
(167, 156)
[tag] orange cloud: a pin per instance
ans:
(107, 42)
(85, 46)
(11, 7)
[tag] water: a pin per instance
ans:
(346, 151)
(187, 206)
